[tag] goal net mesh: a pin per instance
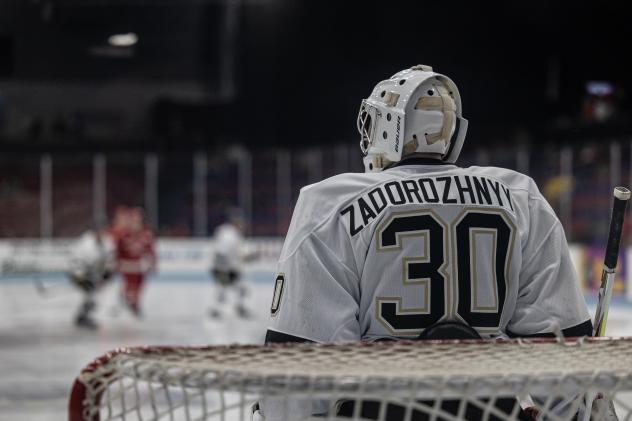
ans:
(586, 378)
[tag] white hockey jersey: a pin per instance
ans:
(92, 256)
(229, 248)
(385, 255)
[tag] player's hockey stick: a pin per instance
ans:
(621, 197)
(48, 289)
(604, 408)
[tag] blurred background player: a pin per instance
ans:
(135, 253)
(229, 256)
(93, 266)
(119, 222)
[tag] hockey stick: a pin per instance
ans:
(49, 289)
(621, 197)
(604, 408)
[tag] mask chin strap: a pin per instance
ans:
(410, 147)
(456, 143)
(447, 106)
(378, 161)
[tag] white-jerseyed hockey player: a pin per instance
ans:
(229, 256)
(92, 266)
(417, 244)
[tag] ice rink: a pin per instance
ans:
(41, 351)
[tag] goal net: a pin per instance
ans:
(584, 378)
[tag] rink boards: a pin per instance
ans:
(191, 259)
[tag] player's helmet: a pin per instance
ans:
(415, 111)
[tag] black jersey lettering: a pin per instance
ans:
(507, 195)
(353, 229)
(495, 185)
(482, 191)
(411, 188)
(366, 211)
(378, 208)
(428, 182)
(462, 189)
(447, 182)
(401, 199)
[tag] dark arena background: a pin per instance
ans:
(187, 109)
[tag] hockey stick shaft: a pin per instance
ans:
(45, 289)
(621, 197)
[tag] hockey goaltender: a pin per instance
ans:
(418, 247)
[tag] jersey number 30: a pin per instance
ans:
(442, 243)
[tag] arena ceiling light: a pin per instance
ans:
(123, 40)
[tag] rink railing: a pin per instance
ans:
(191, 259)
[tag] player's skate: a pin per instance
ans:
(220, 300)
(243, 312)
(135, 310)
(240, 308)
(84, 321)
(214, 313)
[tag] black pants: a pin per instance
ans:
(370, 410)
(446, 330)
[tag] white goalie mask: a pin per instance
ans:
(415, 111)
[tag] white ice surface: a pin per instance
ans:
(41, 351)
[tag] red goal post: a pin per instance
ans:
(419, 378)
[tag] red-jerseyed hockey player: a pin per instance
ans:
(136, 256)
(119, 222)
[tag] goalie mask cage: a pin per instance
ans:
(581, 378)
